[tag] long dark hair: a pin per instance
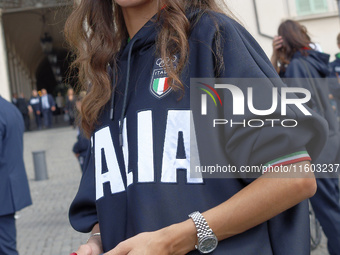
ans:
(95, 30)
(295, 38)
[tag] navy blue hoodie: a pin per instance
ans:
(334, 80)
(144, 185)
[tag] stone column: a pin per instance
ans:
(5, 91)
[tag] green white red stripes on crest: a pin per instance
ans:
(161, 85)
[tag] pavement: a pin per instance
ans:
(43, 228)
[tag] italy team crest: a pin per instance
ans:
(159, 85)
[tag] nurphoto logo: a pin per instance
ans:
(243, 101)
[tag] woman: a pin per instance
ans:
(304, 67)
(131, 195)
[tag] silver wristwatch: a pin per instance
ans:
(207, 241)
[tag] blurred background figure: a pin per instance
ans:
(22, 105)
(14, 189)
(15, 99)
(47, 108)
(301, 66)
(60, 103)
(334, 80)
(81, 146)
(335, 65)
(34, 107)
(70, 106)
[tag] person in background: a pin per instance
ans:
(70, 105)
(15, 98)
(60, 103)
(34, 107)
(22, 105)
(14, 188)
(81, 146)
(47, 108)
(302, 66)
(334, 80)
(335, 65)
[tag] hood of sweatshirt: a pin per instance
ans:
(144, 39)
(318, 60)
(146, 36)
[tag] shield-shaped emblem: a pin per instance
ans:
(160, 83)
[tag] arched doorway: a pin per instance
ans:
(37, 54)
(30, 65)
(45, 77)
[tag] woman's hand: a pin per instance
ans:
(142, 244)
(93, 245)
(88, 249)
(277, 44)
(175, 239)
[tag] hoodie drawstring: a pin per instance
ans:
(121, 122)
(113, 77)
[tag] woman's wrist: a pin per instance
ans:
(95, 243)
(181, 237)
(274, 61)
(274, 58)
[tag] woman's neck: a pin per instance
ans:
(136, 17)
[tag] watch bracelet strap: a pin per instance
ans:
(92, 235)
(201, 224)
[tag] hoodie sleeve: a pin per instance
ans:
(246, 65)
(82, 213)
(270, 144)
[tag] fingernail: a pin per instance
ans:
(73, 253)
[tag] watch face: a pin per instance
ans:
(208, 244)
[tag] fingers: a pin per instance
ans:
(121, 249)
(84, 250)
(277, 42)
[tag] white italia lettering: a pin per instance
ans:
(177, 121)
(129, 176)
(194, 155)
(145, 147)
(103, 141)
